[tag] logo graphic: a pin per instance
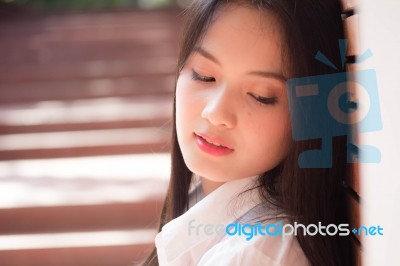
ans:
(325, 106)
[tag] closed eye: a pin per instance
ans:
(197, 76)
(263, 100)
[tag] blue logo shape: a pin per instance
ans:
(325, 106)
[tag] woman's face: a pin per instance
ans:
(232, 114)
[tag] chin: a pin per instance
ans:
(200, 169)
(215, 175)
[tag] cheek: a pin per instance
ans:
(180, 108)
(270, 132)
(185, 103)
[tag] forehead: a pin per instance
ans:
(252, 37)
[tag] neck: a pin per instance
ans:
(209, 185)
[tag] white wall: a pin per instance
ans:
(380, 31)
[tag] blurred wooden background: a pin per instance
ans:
(85, 108)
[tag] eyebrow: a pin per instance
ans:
(206, 54)
(265, 74)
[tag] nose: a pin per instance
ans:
(220, 109)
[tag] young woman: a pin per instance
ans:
(234, 161)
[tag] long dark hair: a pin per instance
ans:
(305, 195)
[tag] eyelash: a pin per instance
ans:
(197, 76)
(264, 100)
(260, 99)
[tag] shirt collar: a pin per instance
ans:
(187, 232)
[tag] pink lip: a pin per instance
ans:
(210, 148)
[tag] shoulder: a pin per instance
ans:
(260, 250)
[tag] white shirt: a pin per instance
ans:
(198, 236)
